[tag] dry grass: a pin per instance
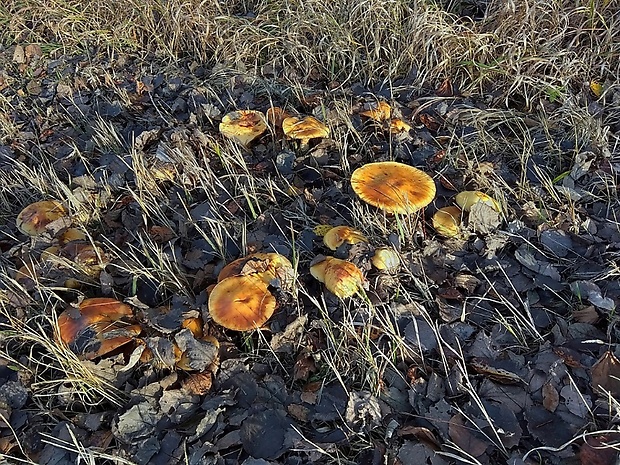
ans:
(529, 47)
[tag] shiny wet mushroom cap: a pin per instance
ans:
(385, 258)
(393, 187)
(467, 199)
(341, 278)
(241, 303)
(34, 219)
(243, 126)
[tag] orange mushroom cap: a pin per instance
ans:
(338, 235)
(385, 258)
(380, 111)
(243, 126)
(34, 218)
(241, 303)
(393, 187)
(304, 129)
(95, 328)
(341, 278)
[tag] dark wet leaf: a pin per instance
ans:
(528, 260)
(549, 428)
(200, 354)
(332, 405)
(420, 334)
(262, 434)
(136, 423)
(557, 242)
(606, 374)
(590, 291)
(467, 437)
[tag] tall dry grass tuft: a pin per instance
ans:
(526, 46)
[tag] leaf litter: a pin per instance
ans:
(489, 344)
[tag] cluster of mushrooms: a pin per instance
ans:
(243, 298)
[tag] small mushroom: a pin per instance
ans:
(447, 221)
(34, 219)
(276, 115)
(304, 129)
(385, 258)
(243, 126)
(338, 235)
(71, 234)
(241, 303)
(393, 187)
(341, 278)
(466, 199)
(381, 111)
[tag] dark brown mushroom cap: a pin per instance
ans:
(241, 303)
(34, 218)
(393, 187)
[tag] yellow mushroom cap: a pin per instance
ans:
(33, 219)
(343, 278)
(380, 112)
(393, 187)
(338, 235)
(317, 267)
(398, 125)
(385, 258)
(243, 126)
(241, 303)
(447, 221)
(304, 129)
(466, 199)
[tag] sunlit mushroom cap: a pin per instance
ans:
(241, 303)
(380, 111)
(268, 266)
(96, 327)
(338, 235)
(447, 221)
(343, 278)
(393, 187)
(33, 219)
(397, 126)
(304, 129)
(243, 126)
(385, 258)
(467, 199)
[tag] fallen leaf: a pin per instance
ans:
(606, 374)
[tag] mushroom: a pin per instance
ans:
(267, 266)
(385, 258)
(393, 187)
(243, 126)
(467, 199)
(338, 235)
(398, 126)
(381, 111)
(304, 129)
(34, 219)
(241, 303)
(447, 221)
(276, 115)
(96, 328)
(341, 278)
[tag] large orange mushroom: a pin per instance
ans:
(241, 303)
(393, 187)
(96, 327)
(243, 126)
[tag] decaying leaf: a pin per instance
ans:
(606, 374)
